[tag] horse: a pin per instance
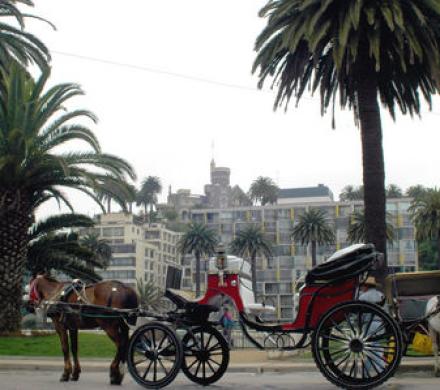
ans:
(110, 294)
(432, 306)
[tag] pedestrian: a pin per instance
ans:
(227, 323)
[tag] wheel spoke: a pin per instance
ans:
(213, 361)
(153, 338)
(347, 319)
(165, 336)
(335, 338)
(136, 363)
(204, 370)
(160, 362)
(155, 370)
(209, 365)
(147, 370)
(217, 346)
(198, 368)
(192, 364)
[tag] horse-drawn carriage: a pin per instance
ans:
(355, 344)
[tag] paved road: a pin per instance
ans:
(36, 380)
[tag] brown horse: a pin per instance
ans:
(112, 294)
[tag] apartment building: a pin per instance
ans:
(139, 251)
(278, 276)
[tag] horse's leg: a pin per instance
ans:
(62, 333)
(433, 336)
(112, 330)
(74, 348)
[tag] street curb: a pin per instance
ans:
(99, 365)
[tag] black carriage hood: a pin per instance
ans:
(346, 262)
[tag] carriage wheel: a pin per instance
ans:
(206, 355)
(155, 355)
(356, 345)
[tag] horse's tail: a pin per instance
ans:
(131, 300)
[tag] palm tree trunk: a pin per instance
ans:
(313, 253)
(254, 273)
(197, 254)
(373, 162)
(109, 205)
(14, 224)
(438, 251)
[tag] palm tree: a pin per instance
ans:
(33, 124)
(121, 194)
(425, 212)
(357, 230)
(100, 247)
(200, 241)
(313, 228)
(352, 193)
(150, 296)
(263, 190)
(393, 191)
(17, 45)
(51, 248)
(147, 195)
(416, 191)
(354, 51)
(251, 242)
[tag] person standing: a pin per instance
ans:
(227, 323)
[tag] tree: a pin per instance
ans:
(394, 191)
(357, 230)
(352, 193)
(200, 241)
(354, 51)
(17, 45)
(313, 228)
(263, 190)
(416, 191)
(34, 123)
(100, 247)
(425, 212)
(251, 242)
(150, 296)
(111, 190)
(52, 248)
(147, 195)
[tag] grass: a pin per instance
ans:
(90, 345)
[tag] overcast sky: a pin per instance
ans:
(184, 82)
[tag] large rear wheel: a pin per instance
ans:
(357, 345)
(155, 355)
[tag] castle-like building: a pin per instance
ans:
(219, 194)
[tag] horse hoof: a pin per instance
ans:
(64, 378)
(437, 373)
(74, 378)
(115, 381)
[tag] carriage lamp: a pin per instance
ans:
(221, 260)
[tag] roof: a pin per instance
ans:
(305, 192)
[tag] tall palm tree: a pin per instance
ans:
(251, 242)
(113, 191)
(16, 44)
(352, 193)
(313, 228)
(263, 191)
(354, 51)
(357, 230)
(425, 212)
(200, 241)
(393, 191)
(52, 248)
(33, 124)
(147, 195)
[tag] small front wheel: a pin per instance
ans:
(155, 355)
(206, 355)
(357, 345)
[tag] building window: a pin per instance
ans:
(125, 248)
(123, 261)
(112, 231)
(118, 274)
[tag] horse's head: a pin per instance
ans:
(41, 287)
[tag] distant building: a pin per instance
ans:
(218, 194)
(321, 193)
(139, 251)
